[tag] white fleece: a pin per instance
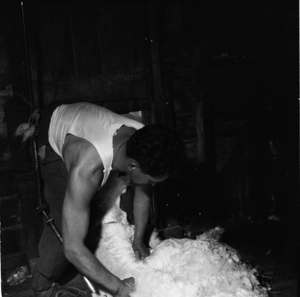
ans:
(176, 267)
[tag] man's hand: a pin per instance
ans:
(115, 185)
(141, 212)
(127, 288)
(140, 250)
(122, 183)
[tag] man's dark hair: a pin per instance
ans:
(158, 150)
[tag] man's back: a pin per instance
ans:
(90, 122)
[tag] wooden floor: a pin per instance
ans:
(270, 247)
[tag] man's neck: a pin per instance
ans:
(119, 146)
(119, 159)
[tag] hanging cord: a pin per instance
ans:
(34, 120)
(28, 130)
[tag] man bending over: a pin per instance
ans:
(79, 144)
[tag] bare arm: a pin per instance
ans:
(141, 212)
(85, 174)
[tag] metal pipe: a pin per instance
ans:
(30, 92)
(49, 222)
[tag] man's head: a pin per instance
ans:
(158, 151)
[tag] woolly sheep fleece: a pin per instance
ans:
(176, 267)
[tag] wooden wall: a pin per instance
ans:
(79, 51)
(228, 65)
(20, 224)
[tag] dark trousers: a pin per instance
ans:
(52, 264)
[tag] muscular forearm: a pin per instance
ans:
(90, 267)
(141, 212)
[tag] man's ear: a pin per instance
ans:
(132, 166)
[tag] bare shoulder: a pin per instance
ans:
(123, 134)
(78, 150)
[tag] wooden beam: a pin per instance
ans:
(95, 88)
(200, 133)
(155, 62)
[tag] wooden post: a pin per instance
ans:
(200, 133)
(155, 63)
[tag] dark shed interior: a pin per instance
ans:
(218, 72)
